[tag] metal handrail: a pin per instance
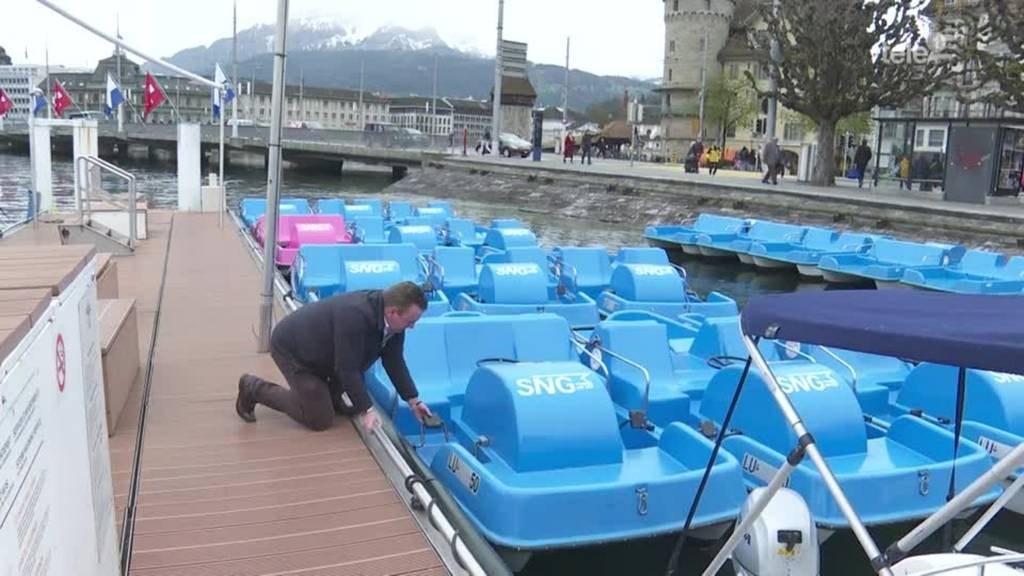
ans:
(596, 358)
(798, 352)
(843, 363)
(435, 267)
(634, 419)
(85, 185)
(979, 563)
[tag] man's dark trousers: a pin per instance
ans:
(308, 397)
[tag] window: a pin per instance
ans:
(668, 101)
(919, 139)
(675, 5)
(889, 130)
(700, 47)
(734, 71)
(936, 138)
(672, 46)
(669, 74)
(731, 131)
(793, 131)
(760, 126)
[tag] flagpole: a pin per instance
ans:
(220, 164)
(266, 313)
(117, 54)
(49, 105)
(234, 73)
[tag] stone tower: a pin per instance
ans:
(687, 24)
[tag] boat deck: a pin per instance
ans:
(218, 496)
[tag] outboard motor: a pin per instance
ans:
(783, 541)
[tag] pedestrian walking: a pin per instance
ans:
(771, 158)
(587, 149)
(568, 149)
(714, 159)
(860, 159)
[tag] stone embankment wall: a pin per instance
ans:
(641, 201)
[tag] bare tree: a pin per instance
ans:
(986, 39)
(838, 58)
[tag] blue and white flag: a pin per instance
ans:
(114, 96)
(38, 101)
(223, 94)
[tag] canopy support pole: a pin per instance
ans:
(961, 397)
(722, 431)
(807, 442)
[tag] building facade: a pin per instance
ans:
(313, 107)
(18, 81)
(471, 119)
(419, 113)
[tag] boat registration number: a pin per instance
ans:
(760, 469)
(996, 449)
(464, 474)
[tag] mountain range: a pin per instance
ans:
(398, 62)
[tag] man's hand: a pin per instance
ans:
(369, 420)
(419, 408)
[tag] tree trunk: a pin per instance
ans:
(825, 163)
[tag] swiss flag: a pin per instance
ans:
(5, 103)
(61, 100)
(154, 95)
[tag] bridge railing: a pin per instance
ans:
(257, 135)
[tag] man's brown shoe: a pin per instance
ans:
(245, 405)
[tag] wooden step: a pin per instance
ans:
(106, 276)
(119, 339)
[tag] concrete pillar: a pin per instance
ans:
(151, 153)
(41, 166)
(266, 159)
(189, 171)
(85, 141)
(341, 167)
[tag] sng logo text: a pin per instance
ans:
(552, 384)
(516, 232)
(372, 267)
(416, 229)
(515, 269)
(652, 270)
(314, 227)
(813, 382)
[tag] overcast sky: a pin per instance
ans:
(608, 36)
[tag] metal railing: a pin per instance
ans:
(637, 418)
(83, 196)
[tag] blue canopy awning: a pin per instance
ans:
(984, 332)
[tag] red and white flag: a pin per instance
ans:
(5, 103)
(61, 100)
(154, 95)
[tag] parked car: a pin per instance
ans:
(510, 144)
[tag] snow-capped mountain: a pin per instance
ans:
(398, 61)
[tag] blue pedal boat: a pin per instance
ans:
(886, 261)
(889, 472)
(454, 270)
(463, 232)
(523, 286)
(530, 430)
(500, 239)
(804, 255)
(993, 416)
(323, 270)
(423, 236)
(252, 209)
(684, 237)
(351, 212)
(762, 231)
(644, 279)
(978, 272)
(399, 210)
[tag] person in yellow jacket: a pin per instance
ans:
(905, 171)
(714, 159)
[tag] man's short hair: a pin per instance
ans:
(405, 294)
